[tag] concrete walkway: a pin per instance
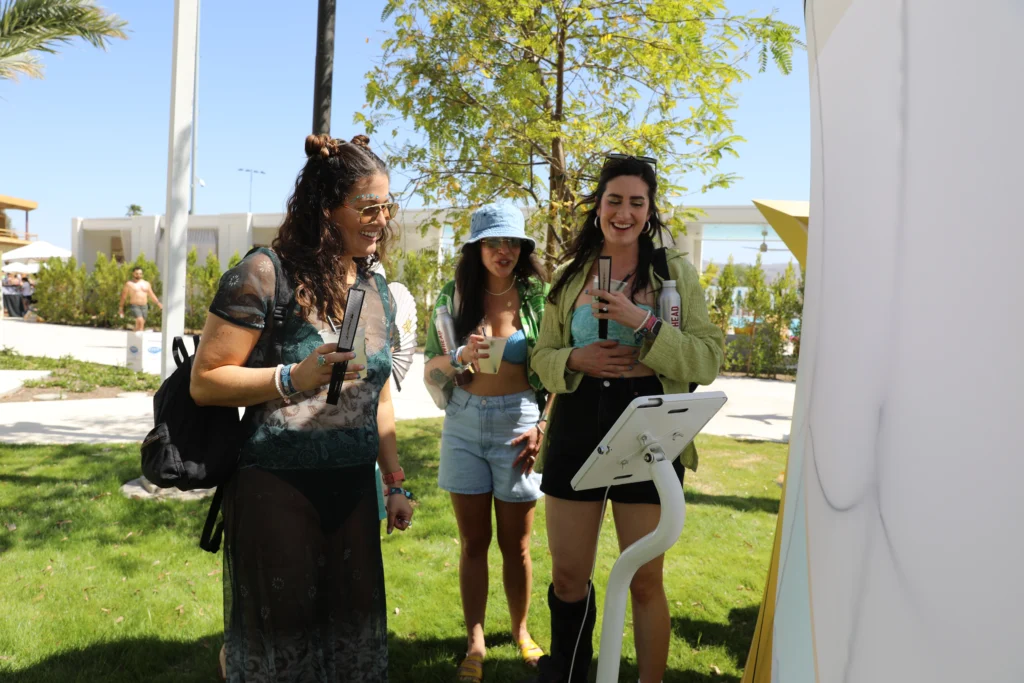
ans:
(757, 409)
(11, 380)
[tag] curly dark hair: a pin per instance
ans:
(587, 243)
(309, 243)
(471, 281)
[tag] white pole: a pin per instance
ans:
(670, 526)
(195, 123)
(179, 138)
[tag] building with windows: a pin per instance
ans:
(125, 238)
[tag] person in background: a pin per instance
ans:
(138, 292)
(594, 380)
(493, 425)
(304, 579)
(27, 290)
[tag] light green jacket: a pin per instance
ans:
(693, 353)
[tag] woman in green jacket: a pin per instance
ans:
(594, 381)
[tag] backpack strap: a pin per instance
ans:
(660, 262)
(273, 335)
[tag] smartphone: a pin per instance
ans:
(346, 342)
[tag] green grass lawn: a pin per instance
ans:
(96, 587)
(77, 376)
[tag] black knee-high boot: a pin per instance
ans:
(568, 619)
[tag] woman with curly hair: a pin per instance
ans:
(304, 581)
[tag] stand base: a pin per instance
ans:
(664, 536)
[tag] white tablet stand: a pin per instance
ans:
(651, 432)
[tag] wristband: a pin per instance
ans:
(453, 358)
(643, 324)
(399, 491)
(395, 477)
(277, 384)
(286, 380)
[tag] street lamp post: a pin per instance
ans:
(251, 172)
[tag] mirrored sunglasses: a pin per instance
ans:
(616, 156)
(499, 242)
(369, 214)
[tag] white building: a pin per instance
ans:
(225, 234)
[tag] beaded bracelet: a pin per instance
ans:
(400, 491)
(277, 384)
(642, 325)
(453, 358)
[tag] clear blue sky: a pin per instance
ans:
(91, 137)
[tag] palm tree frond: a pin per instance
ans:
(41, 25)
(20, 65)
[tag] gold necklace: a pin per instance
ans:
(508, 303)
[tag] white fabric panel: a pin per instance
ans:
(906, 435)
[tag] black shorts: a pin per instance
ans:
(579, 422)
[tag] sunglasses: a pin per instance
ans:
(369, 214)
(499, 242)
(616, 156)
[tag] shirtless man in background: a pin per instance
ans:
(138, 292)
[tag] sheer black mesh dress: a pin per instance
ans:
(304, 581)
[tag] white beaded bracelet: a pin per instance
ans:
(277, 384)
(641, 326)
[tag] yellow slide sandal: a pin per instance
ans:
(530, 651)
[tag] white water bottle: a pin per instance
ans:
(446, 333)
(670, 305)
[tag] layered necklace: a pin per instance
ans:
(509, 303)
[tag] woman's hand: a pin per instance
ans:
(527, 457)
(618, 307)
(399, 512)
(311, 374)
(603, 359)
(476, 348)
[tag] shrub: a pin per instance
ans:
(60, 291)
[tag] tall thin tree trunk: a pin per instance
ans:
(557, 190)
(324, 67)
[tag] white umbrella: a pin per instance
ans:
(19, 267)
(37, 251)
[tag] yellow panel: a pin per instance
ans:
(789, 220)
(759, 659)
(15, 203)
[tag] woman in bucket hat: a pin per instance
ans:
(493, 424)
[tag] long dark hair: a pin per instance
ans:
(309, 243)
(471, 279)
(587, 243)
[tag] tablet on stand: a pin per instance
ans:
(651, 432)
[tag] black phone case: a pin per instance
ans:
(346, 339)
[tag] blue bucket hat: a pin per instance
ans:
(501, 219)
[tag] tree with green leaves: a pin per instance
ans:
(707, 278)
(424, 276)
(785, 307)
(502, 91)
(134, 210)
(32, 26)
(723, 301)
(757, 302)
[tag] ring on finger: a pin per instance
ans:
(321, 360)
(604, 309)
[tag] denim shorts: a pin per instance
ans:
(476, 450)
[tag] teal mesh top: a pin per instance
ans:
(309, 433)
(584, 328)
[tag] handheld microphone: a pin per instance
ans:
(346, 340)
(604, 282)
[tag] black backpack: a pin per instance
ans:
(197, 447)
